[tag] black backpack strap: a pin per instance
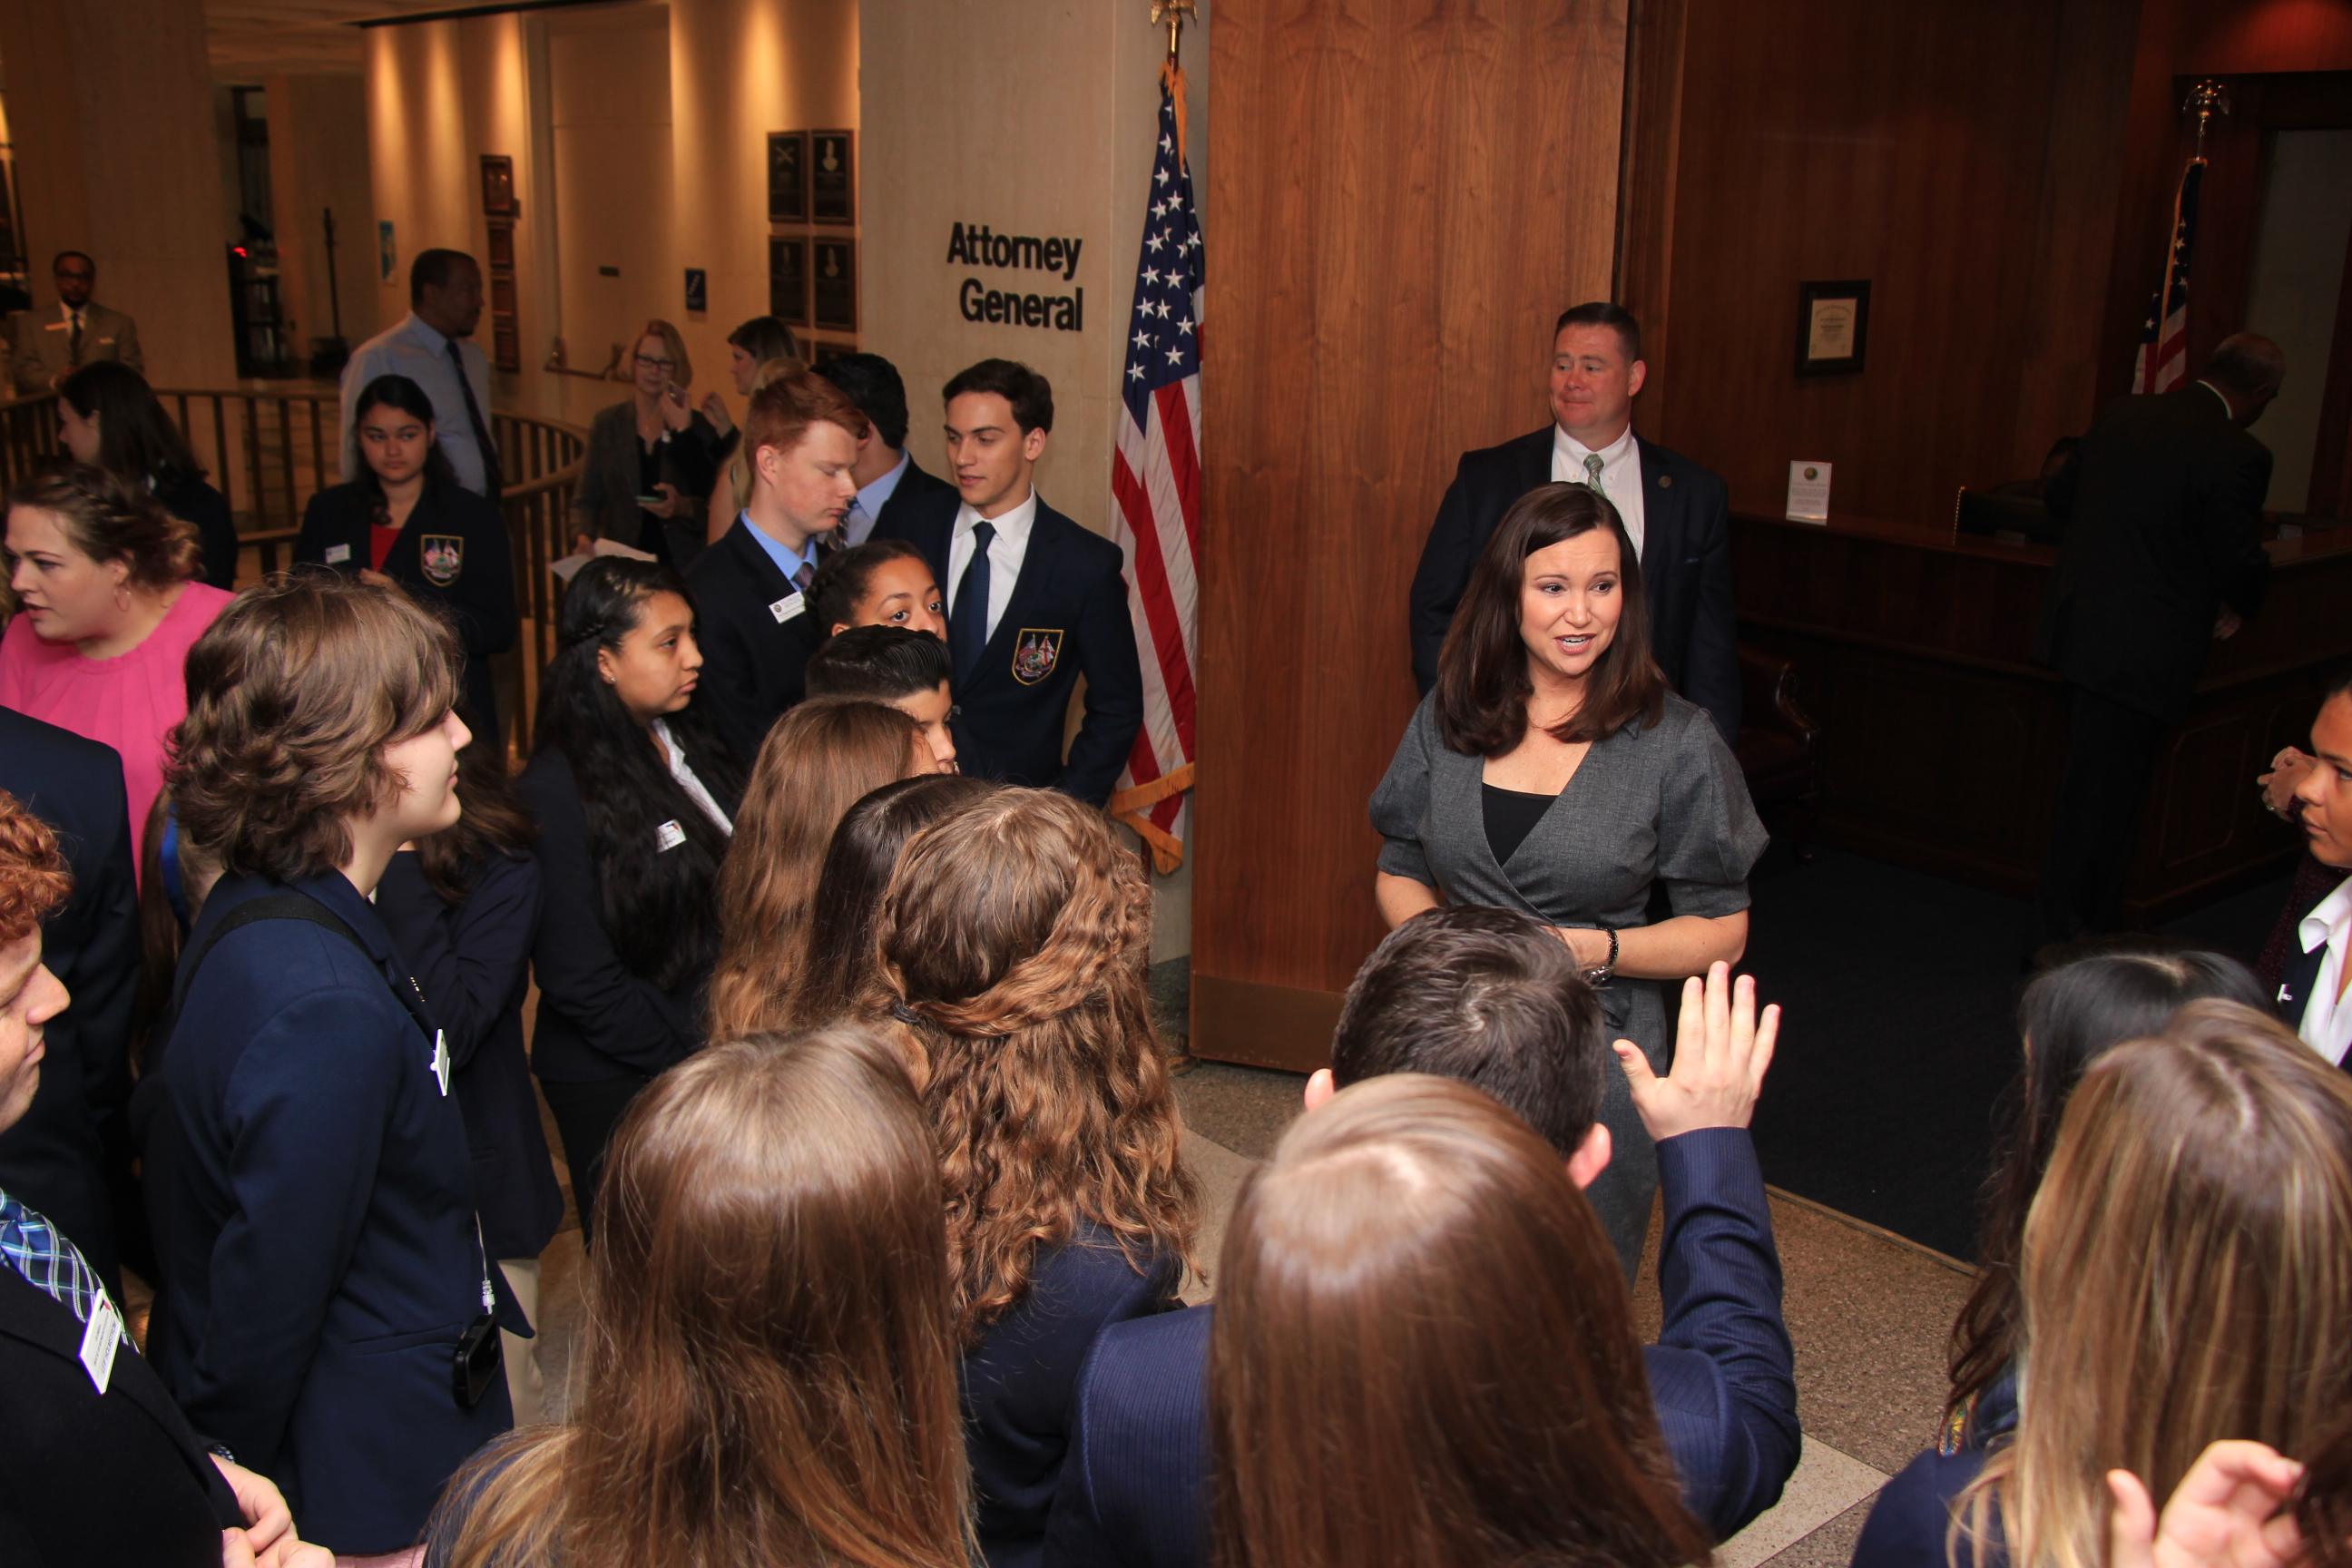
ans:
(288, 905)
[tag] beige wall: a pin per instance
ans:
(1032, 119)
(318, 162)
(110, 109)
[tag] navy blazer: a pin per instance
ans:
(1721, 1375)
(756, 636)
(316, 1220)
(913, 486)
(1068, 616)
(70, 1155)
(452, 553)
(1685, 563)
(598, 1019)
(1912, 1518)
(86, 1477)
(1017, 1382)
(2300, 977)
(473, 964)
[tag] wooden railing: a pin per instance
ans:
(269, 452)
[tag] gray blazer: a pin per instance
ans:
(606, 504)
(1662, 804)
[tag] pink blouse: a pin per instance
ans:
(130, 701)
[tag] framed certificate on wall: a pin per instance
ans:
(788, 176)
(1833, 326)
(832, 176)
(788, 290)
(833, 276)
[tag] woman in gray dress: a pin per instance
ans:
(1551, 771)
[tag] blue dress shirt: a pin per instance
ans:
(858, 526)
(788, 560)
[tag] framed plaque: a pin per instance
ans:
(501, 255)
(788, 275)
(832, 176)
(505, 346)
(498, 186)
(788, 157)
(697, 290)
(826, 352)
(502, 296)
(1833, 326)
(833, 272)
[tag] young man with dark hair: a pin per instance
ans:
(1488, 996)
(895, 666)
(1034, 601)
(431, 346)
(1676, 513)
(890, 480)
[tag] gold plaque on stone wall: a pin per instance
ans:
(832, 176)
(788, 290)
(788, 176)
(833, 272)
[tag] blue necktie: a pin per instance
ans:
(39, 1251)
(968, 618)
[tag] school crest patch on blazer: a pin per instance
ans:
(444, 556)
(1035, 654)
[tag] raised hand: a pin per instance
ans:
(1721, 1051)
(2228, 1511)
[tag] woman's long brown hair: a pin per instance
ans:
(768, 1373)
(1009, 964)
(1423, 1353)
(1483, 685)
(814, 764)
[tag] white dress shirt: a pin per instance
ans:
(695, 791)
(1621, 474)
(416, 351)
(2327, 1015)
(1005, 554)
(865, 506)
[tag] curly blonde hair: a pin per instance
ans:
(1010, 953)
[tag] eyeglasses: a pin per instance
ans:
(644, 364)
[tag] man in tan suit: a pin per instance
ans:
(49, 346)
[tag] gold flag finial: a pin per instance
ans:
(1174, 13)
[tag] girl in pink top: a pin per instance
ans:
(104, 575)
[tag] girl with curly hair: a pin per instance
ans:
(1010, 950)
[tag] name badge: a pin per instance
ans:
(101, 1337)
(669, 835)
(441, 1062)
(790, 604)
(338, 553)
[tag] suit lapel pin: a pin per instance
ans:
(1666, 481)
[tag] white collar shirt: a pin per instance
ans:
(1621, 474)
(1005, 554)
(2327, 1015)
(696, 790)
(72, 315)
(865, 506)
(417, 350)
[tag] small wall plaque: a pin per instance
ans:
(832, 176)
(832, 271)
(788, 281)
(1833, 326)
(497, 186)
(788, 176)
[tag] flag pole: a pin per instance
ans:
(1172, 14)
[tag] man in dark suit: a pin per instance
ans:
(101, 1466)
(1473, 993)
(1034, 600)
(2314, 995)
(890, 482)
(800, 436)
(1676, 513)
(69, 1154)
(2162, 506)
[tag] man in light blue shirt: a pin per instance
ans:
(445, 304)
(886, 470)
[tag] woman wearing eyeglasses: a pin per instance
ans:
(649, 465)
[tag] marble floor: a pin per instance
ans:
(1867, 1313)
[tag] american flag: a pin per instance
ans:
(1155, 482)
(2163, 357)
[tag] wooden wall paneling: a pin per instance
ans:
(1654, 34)
(1403, 195)
(1920, 168)
(2331, 465)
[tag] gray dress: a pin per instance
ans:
(1662, 804)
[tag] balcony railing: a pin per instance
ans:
(269, 452)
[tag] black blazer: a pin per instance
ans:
(597, 1019)
(1018, 1380)
(905, 500)
(612, 477)
(754, 665)
(70, 1155)
(2295, 983)
(315, 1212)
(1134, 1488)
(1685, 563)
(452, 552)
(2163, 509)
(193, 500)
(473, 964)
(1068, 616)
(90, 1477)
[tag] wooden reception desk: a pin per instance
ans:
(1941, 745)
